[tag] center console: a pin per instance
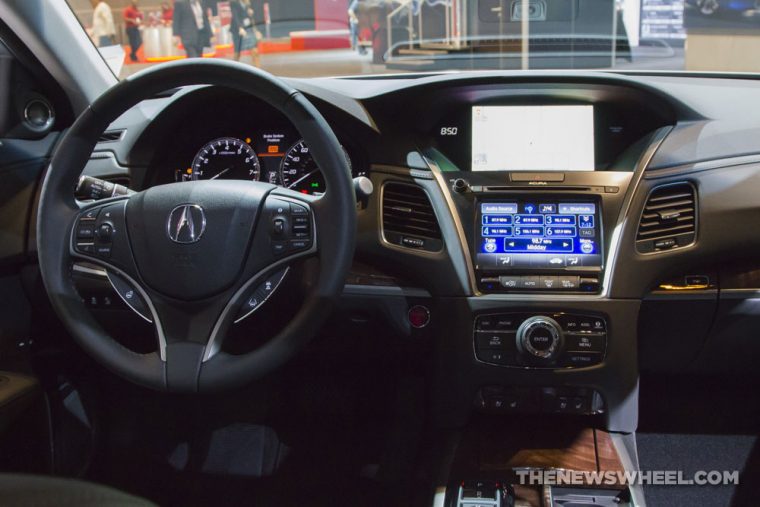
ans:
(540, 198)
(539, 340)
(539, 185)
(547, 340)
(539, 190)
(543, 335)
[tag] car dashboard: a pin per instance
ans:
(549, 269)
(550, 235)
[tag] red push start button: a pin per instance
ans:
(419, 316)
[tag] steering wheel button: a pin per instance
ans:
(86, 248)
(299, 244)
(300, 232)
(297, 209)
(269, 285)
(279, 247)
(261, 294)
(278, 226)
(104, 232)
(86, 230)
(253, 302)
(91, 214)
(103, 250)
(300, 220)
(130, 296)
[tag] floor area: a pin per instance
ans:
(700, 424)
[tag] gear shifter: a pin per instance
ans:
(484, 494)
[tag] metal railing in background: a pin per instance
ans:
(455, 24)
(390, 20)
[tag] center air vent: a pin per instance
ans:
(409, 219)
(669, 219)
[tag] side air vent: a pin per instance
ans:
(669, 219)
(408, 218)
(110, 136)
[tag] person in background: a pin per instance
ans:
(353, 25)
(167, 13)
(133, 18)
(103, 28)
(191, 26)
(243, 30)
(210, 6)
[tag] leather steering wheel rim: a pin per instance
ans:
(189, 368)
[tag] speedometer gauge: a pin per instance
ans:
(226, 158)
(299, 171)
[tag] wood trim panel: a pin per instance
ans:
(492, 448)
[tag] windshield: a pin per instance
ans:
(309, 38)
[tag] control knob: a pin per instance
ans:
(460, 186)
(540, 338)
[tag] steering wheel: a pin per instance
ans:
(194, 257)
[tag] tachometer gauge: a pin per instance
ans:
(299, 172)
(227, 158)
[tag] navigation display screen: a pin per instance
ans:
(533, 138)
(538, 235)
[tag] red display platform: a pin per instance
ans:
(320, 39)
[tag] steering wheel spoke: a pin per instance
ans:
(286, 232)
(99, 235)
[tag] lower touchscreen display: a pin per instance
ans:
(538, 235)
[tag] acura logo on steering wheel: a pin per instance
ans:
(186, 223)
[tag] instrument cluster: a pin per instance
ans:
(274, 157)
(215, 133)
